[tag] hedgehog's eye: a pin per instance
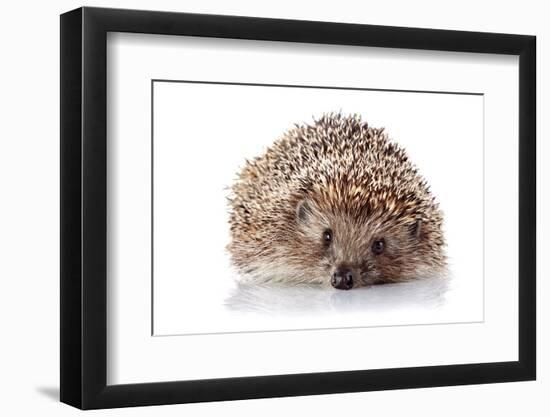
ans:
(378, 246)
(327, 236)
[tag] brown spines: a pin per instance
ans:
(346, 167)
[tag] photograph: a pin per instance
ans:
(280, 207)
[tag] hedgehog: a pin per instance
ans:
(334, 202)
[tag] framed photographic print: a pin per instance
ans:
(257, 207)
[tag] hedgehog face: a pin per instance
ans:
(352, 251)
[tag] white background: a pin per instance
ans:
(29, 180)
(132, 60)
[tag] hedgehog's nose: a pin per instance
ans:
(342, 279)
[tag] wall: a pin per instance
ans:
(29, 172)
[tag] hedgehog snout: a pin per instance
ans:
(342, 279)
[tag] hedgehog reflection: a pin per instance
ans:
(335, 202)
(303, 299)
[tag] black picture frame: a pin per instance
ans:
(83, 207)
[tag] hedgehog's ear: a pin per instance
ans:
(303, 210)
(416, 228)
